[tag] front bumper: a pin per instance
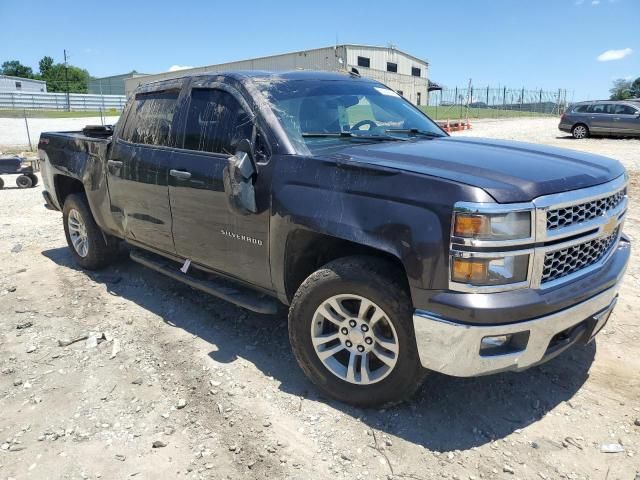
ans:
(455, 349)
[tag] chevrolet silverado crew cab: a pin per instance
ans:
(398, 249)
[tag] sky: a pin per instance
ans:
(578, 45)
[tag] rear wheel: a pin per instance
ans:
(90, 248)
(34, 178)
(580, 131)
(1, 184)
(24, 181)
(351, 330)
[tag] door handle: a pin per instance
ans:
(180, 174)
(114, 163)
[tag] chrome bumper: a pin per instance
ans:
(454, 348)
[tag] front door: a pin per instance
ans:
(626, 120)
(138, 171)
(205, 229)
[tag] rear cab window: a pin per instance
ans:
(151, 117)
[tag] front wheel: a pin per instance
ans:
(90, 248)
(351, 330)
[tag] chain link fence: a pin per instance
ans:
(488, 102)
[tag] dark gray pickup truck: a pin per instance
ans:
(399, 249)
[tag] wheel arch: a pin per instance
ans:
(306, 251)
(65, 186)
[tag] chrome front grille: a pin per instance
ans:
(582, 212)
(560, 263)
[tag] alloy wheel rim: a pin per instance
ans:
(579, 132)
(78, 233)
(355, 339)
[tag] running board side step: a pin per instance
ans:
(226, 290)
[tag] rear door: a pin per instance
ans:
(601, 118)
(139, 167)
(626, 120)
(205, 229)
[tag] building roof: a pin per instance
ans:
(24, 79)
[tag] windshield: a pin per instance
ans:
(322, 114)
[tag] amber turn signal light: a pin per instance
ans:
(471, 225)
(469, 270)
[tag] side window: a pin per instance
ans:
(216, 122)
(597, 108)
(581, 109)
(150, 119)
(624, 110)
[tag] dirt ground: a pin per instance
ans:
(217, 391)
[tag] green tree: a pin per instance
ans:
(16, 69)
(74, 80)
(621, 89)
(635, 88)
(45, 65)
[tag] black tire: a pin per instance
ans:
(100, 252)
(1, 184)
(34, 179)
(580, 131)
(379, 282)
(23, 181)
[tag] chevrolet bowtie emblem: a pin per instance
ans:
(610, 226)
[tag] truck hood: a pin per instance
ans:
(508, 171)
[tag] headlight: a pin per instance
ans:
(490, 271)
(492, 226)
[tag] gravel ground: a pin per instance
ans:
(217, 391)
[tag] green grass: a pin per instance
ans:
(54, 114)
(456, 112)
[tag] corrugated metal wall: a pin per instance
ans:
(58, 101)
(342, 57)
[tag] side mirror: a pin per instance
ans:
(238, 177)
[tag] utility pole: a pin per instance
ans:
(66, 80)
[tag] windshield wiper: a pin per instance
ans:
(415, 131)
(352, 135)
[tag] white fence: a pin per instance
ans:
(60, 101)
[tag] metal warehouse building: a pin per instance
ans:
(19, 84)
(406, 74)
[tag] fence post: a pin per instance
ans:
(26, 124)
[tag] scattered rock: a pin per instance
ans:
(12, 288)
(31, 348)
(169, 430)
(159, 444)
(66, 342)
(16, 248)
(23, 325)
(637, 422)
(508, 469)
(17, 383)
(181, 404)
(120, 457)
(611, 448)
(116, 348)
(137, 381)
